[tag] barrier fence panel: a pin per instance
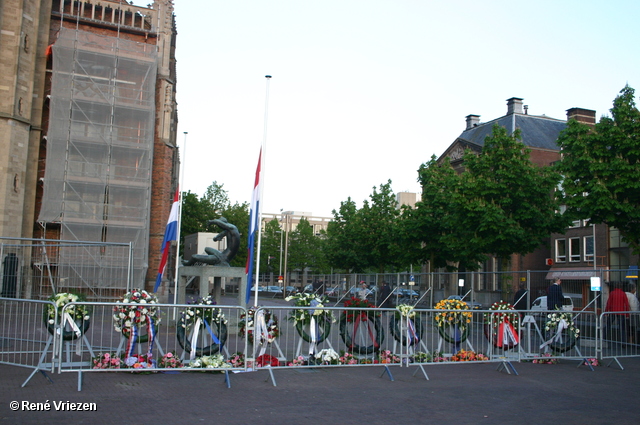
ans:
(26, 337)
(81, 336)
(620, 335)
(547, 336)
(150, 337)
(39, 268)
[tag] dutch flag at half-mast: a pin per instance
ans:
(170, 234)
(254, 219)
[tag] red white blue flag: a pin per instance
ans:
(254, 221)
(170, 234)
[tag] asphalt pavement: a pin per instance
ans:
(454, 394)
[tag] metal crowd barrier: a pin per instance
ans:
(95, 337)
(620, 336)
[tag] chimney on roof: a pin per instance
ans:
(472, 121)
(514, 106)
(584, 116)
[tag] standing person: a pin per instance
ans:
(619, 304)
(363, 292)
(520, 299)
(555, 297)
(385, 296)
(633, 306)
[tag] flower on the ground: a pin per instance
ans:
(545, 359)
(107, 361)
(170, 361)
(298, 361)
(347, 358)
(386, 357)
(327, 356)
(468, 356)
(215, 361)
(236, 360)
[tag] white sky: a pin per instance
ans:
(366, 91)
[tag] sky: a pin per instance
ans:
(363, 92)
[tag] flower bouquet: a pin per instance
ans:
(215, 361)
(468, 356)
(387, 357)
(201, 318)
(326, 356)
(502, 324)
(170, 361)
(237, 360)
(74, 320)
(453, 322)
(269, 327)
(107, 361)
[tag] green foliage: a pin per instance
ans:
(271, 248)
(304, 247)
(601, 169)
(501, 204)
(509, 202)
(342, 245)
(196, 212)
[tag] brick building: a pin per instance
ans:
(88, 116)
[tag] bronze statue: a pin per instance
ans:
(214, 257)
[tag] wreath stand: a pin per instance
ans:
(55, 361)
(584, 360)
(506, 358)
(456, 345)
(123, 341)
(202, 327)
(312, 345)
(404, 356)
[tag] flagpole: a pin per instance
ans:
(182, 166)
(262, 180)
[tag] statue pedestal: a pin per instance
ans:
(211, 281)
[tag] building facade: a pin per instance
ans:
(583, 250)
(89, 116)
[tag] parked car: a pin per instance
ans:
(291, 290)
(473, 305)
(331, 292)
(540, 304)
(260, 288)
(405, 293)
(275, 290)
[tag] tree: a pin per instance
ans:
(195, 214)
(601, 169)
(380, 237)
(216, 197)
(509, 202)
(502, 204)
(238, 215)
(342, 248)
(431, 231)
(304, 248)
(271, 248)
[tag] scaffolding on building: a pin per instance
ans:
(99, 146)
